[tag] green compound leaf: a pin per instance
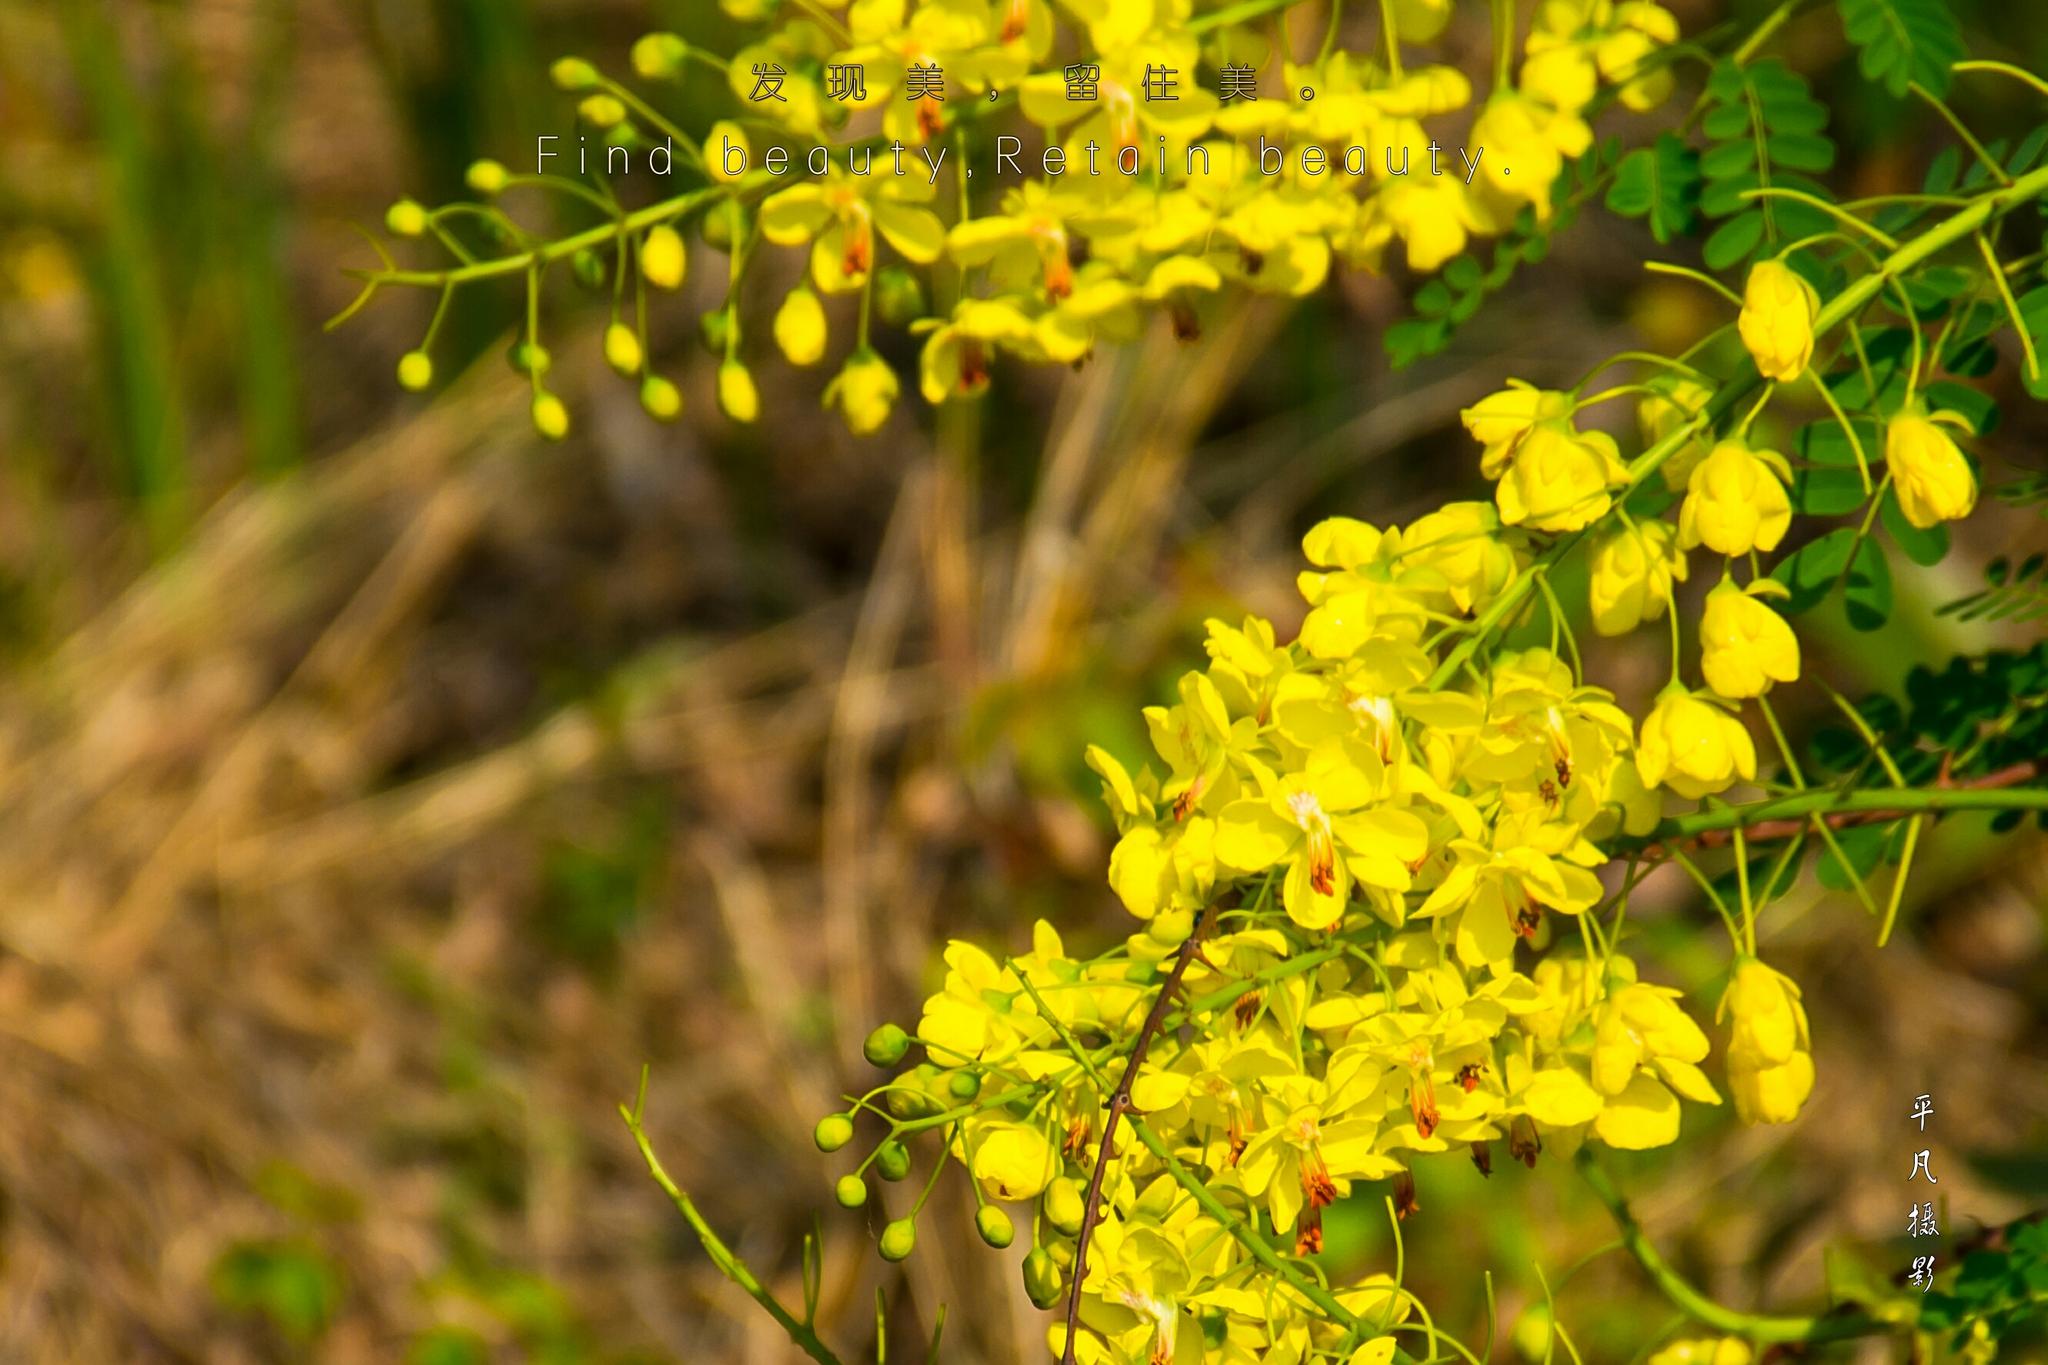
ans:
(1867, 591)
(1765, 131)
(2010, 593)
(1660, 182)
(1902, 41)
(1812, 572)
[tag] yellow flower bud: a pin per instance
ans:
(864, 392)
(571, 74)
(1771, 1094)
(1663, 412)
(550, 418)
(1768, 1022)
(659, 56)
(1778, 309)
(737, 396)
(1693, 746)
(602, 111)
(661, 399)
(1735, 501)
(415, 371)
(800, 327)
(1632, 575)
(488, 178)
(406, 219)
(1559, 479)
(622, 349)
(1013, 1161)
(1929, 473)
(725, 133)
(662, 258)
(1747, 645)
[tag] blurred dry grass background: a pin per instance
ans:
(380, 789)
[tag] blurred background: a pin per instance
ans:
(380, 787)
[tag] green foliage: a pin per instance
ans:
(291, 1284)
(2010, 593)
(1660, 183)
(1996, 1293)
(1454, 297)
(1765, 131)
(1901, 42)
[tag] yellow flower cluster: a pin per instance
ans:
(1067, 260)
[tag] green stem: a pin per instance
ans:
(729, 1264)
(1757, 1327)
(1825, 802)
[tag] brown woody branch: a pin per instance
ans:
(1118, 1103)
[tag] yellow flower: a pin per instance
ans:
(1735, 501)
(1501, 420)
(1560, 478)
(1693, 746)
(1778, 309)
(1747, 645)
(1633, 570)
(1931, 476)
(1770, 1060)
(1431, 214)
(1645, 1047)
(1013, 1161)
(1526, 141)
(864, 392)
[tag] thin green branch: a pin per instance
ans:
(729, 1264)
(1760, 1328)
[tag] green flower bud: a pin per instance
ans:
(723, 225)
(833, 1132)
(851, 1191)
(572, 74)
(589, 270)
(1141, 973)
(415, 371)
(662, 259)
(488, 178)
(602, 111)
(885, 1046)
(550, 418)
(406, 218)
(1065, 1205)
(994, 1226)
(659, 56)
(714, 329)
(899, 1239)
(899, 297)
(622, 349)
(663, 400)
(892, 1160)
(530, 357)
(965, 1085)
(1041, 1279)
